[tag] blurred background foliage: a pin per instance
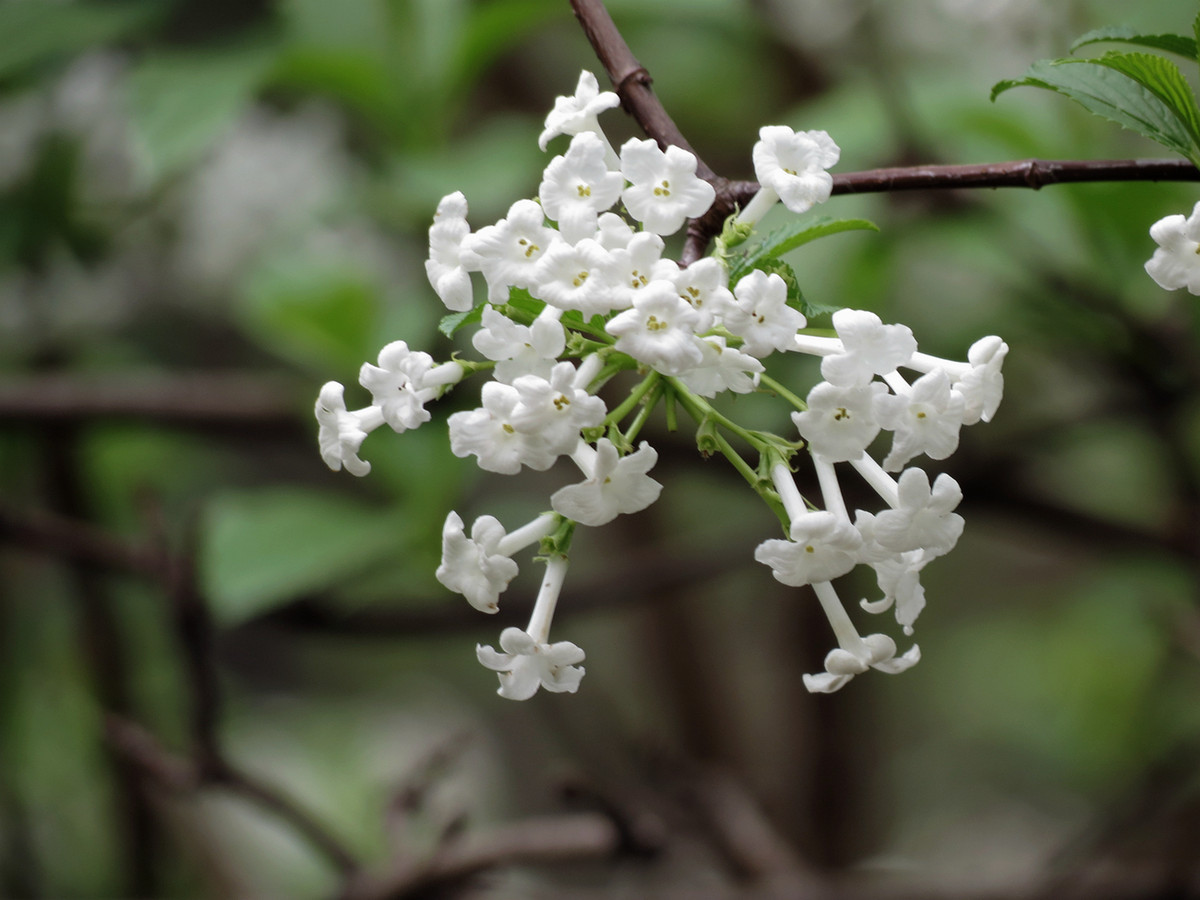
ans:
(207, 209)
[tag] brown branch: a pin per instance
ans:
(549, 839)
(175, 773)
(632, 83)
(631, 80)
(207, 399)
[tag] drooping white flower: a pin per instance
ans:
(615, 484)
(578, 186)
(840, 421)
(403, 382)
(572, 276)
(876, 651)
(869, 348)
(507, 251)
(445, 267)
(823, 546)
(664, 190)
(472, 566)
(659, 330)
(341, 431)
(899, 577)
(1176, 262)
(793, 164)
(529, 660)
(629, 269)
(553, 411)
(760, 314)
(705, 286)
(525, 665)
(980, 379)
(572, 115)
(488, 433)
(924, 517)
(519, 349)
(722, 368)
(926, 418)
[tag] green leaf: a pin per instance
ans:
(181, 102)
(1112, 95)
(34, 32)
(450, 325)
(260, 549)
(320, 313)
(1171, 43)
(784, 240)
(1163, 79)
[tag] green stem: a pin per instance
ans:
(699, 408)
(783, 392)
(643, 415)
(634, 398)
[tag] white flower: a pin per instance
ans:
(553, 411)
(507, 251)
(823, 546)
(529, 660)
(722, 368)
(659, 331)
(571, 115)
(875, 651)
(899, 577)
(705, 286)
(664, 190)
(571, 276)
(982, 386)
(630, 268)
(403, 382)
(793, 165)
(760, 314)
(1176, 262)
(519, 349)
(578, 186)
(615, 485)
(525, 665)
(924, 518)
(839, 422)
(613, 232)
(926, 419)
(869, 348)
(980, 379)
(488, 433)
(342, 432)
(473, 566)
(445, 267)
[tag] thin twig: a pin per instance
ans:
(632, 83)
(550, 839)
(631, 80)
(199, 399)
(176, 773)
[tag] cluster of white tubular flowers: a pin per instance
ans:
(574, 290)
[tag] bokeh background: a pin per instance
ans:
(208, 209)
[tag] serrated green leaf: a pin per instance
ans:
(1171, 43)
(1164, 80)
(453, 323)
(1108, 93)
(262, 548)
(34, 32)
(181, 102)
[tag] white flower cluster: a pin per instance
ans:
(577, 291)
